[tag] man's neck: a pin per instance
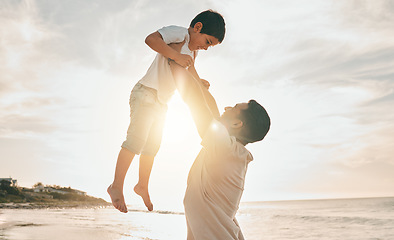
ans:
(234, 133)
(240, 141)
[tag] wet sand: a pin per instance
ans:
(89, 224)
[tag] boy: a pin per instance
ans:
(149, 97)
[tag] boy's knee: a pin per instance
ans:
(133, 145)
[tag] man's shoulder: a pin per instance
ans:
(228, 143)
(217, 135)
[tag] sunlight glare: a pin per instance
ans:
(214, 126)
(179, 123)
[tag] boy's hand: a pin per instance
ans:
(182, 59)
(205, 83)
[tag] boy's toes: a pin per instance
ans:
(143, 192)
(117, 198)
(149, 206)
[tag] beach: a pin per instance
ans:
(98, 223)
(345, 219)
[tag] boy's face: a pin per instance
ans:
(200, 41)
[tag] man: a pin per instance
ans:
(216, 179)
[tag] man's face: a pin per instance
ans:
(232, 113)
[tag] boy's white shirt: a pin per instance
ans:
(159, 75)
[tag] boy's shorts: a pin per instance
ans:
(147, 116)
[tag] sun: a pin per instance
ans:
(179, 125)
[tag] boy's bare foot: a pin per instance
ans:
(143, 192)
(117, 198)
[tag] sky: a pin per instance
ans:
(324, 70)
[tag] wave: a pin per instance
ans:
(339, 219)
(157, 211)
(8, 225)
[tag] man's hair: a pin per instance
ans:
(212, 24)
(256, 123)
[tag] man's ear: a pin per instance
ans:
(197, 27)
(236, 123)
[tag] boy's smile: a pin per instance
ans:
(200, 41)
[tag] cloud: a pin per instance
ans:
(324, 72)
(23, 126)
(28, 117)
(23, 38)
(365, 14)
(345, 67)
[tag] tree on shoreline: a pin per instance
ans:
(8, 192)
(59, 195)
(39, 184)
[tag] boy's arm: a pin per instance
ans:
(156, 42)
(201, 103)
(192, 70)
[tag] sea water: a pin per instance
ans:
(344, 219)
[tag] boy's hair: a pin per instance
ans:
(256, 123)
(212, 24)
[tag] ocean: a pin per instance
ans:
(342, 219)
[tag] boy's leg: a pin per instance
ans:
(141, 188)
(115, 190)
(148, 154)
(141, 119)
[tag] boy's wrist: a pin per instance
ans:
(175, 56)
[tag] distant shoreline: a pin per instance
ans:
(48, 196)
(316, 199)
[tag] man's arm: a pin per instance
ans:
(193, 72)
(201, 103)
